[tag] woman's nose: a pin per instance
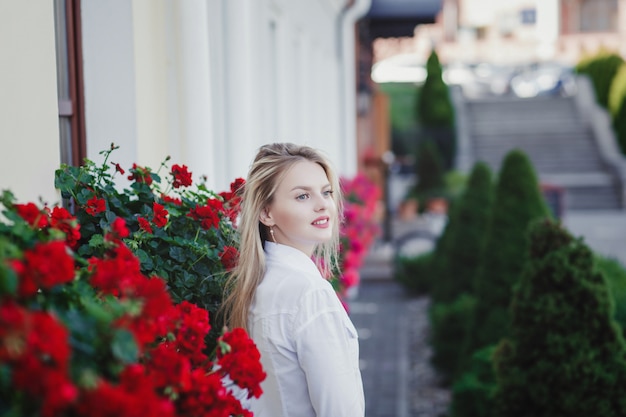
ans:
(321, 202)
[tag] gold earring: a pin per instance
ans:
(272, 234)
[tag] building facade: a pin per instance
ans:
(203, 81)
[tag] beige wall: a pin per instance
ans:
(29, 129)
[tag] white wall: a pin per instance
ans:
(29, 127)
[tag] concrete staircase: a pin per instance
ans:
(559, 141)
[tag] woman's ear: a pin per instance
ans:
(266, 218)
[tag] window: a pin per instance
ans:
(598, 16)
(69, 81)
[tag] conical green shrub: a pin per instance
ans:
(473, 392)
(617, 106)
(460, 253)
(518, 202)
(456, 264)
(430, 172)
(565, 355)
(435, 113)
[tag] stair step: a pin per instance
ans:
(556, 140)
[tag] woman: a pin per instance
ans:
(289, 232)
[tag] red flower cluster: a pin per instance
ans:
(62, 220)
(43, 267)
(59, 219)
(40, 367)
(172, 376)
(239, 357)
(359, 228)
(140, 174)
(181, 176)
(95, 205)
(208, 215)
(232, 199)
(228, 257)
(159, 217)
(32, 214)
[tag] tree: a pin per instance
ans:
(518, 202)
(435, 112)
(459, 255)
(565, 355)
(456, 263)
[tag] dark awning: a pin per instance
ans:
(398, 18)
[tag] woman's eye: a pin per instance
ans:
(328, 193)
(302, 197)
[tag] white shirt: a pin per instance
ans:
(309, 347)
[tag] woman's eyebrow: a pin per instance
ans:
(307, 188)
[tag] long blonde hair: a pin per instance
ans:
(268, 169)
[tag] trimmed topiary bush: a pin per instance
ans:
(617, 106)
(460, 252)
(601, 69)
(435, 112)
(430, 172)
(450, 324)
(566, 355)
(415, 273)
(615, 274)
(518, 202)
(472, 394)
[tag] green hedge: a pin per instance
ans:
(415, 273)
(450, 326)
(601, 69)
(518, 202)
(565, 355)
(617, 106)
(615, 274)
(457, 263)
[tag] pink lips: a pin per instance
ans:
(321, 222)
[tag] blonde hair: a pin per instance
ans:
(268, 169)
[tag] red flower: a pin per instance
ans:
(160, 215)
(32, 214)
(44, 266)
(95, 205)
(118, 230)
(191, 331)
(168, 199)
(240, 360)
(62, 220)
(144, 224)
(182, 177)
(118, 168)
(229, 257)
(208, 214)
(140, 174)
(116, 272)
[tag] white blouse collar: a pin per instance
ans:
(290, 256)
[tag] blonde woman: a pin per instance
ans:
(289, 235)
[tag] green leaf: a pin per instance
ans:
(178, 254)
(8, 280)
(124, 347)
(96, 241)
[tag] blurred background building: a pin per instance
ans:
(206, 82)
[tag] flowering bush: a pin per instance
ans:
(359, 229)
(183, 234)
(83, 331)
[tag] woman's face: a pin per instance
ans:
(303, 210)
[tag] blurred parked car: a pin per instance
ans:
(541, 79)
(480, 79)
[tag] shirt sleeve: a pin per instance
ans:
(328, 353)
